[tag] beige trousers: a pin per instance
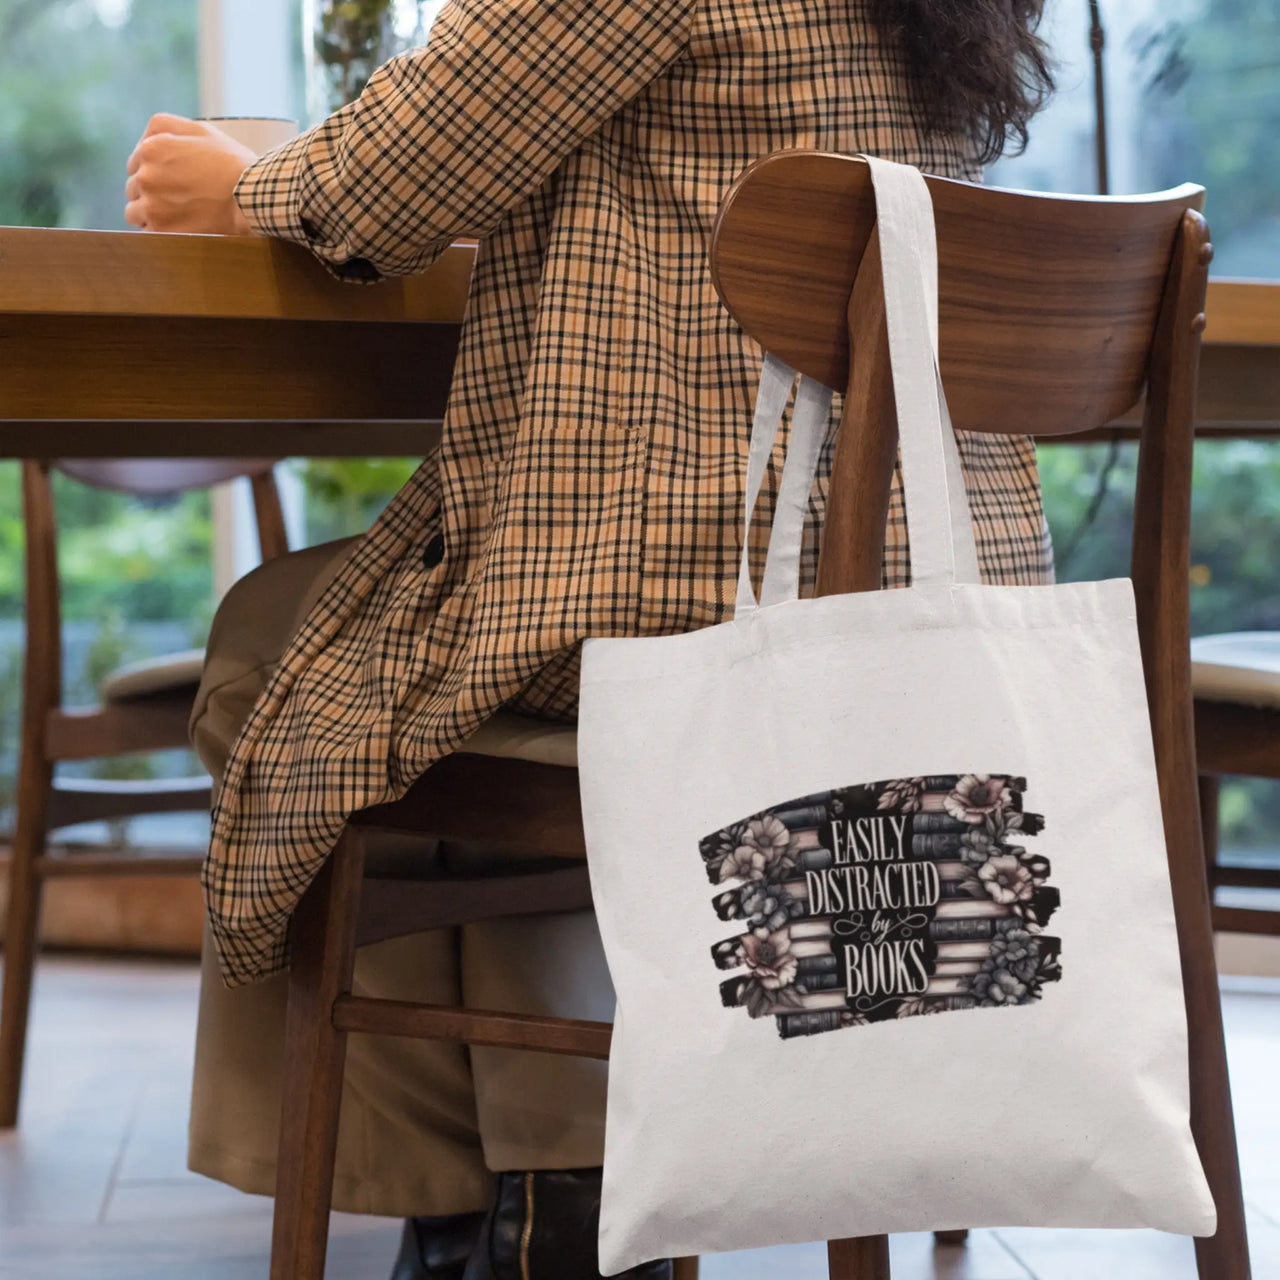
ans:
(422, 1124)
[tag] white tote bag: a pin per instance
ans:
(811, 826)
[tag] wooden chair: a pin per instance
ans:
(1055, 314)
(1236, 682)
(143, 707)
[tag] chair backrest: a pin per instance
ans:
(1055, 312)
(1048, 304)
(139, 476)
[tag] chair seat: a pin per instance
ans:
(508, 735)
(168, 673)
(517, 737)
(1241, 667)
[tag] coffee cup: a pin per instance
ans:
(259, 133)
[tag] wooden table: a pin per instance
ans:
(120, 344)
(1239, 363)
(128, 345)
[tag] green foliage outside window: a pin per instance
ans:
(1213, 115)
(1235, 575)
(346, 495)
(145, 561)
(78, 81)
(351, 39)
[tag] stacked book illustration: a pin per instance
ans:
(886, 900)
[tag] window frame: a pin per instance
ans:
(246, 57)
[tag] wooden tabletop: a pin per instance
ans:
(126, 275)
(120, 344)
(1239, 393)
(1243, 313)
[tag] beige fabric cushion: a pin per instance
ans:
(144, 679)
(1241, 666)
(516, 737)
(254, 624)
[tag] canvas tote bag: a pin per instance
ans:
(813, 827)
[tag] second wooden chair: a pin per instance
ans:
(142, 707)
(1236, 679)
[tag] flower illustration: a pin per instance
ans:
(760, 1001)
(1016, 951)
(1006, 880)
(1048, 969)
(715, 849)
(1010, 820)
(765, 853)
(918, 1006)
(977, 795)
(768, 958)
(995, 987)
(979, 845)
(1036, 864)
(902, 794)
(769, 904)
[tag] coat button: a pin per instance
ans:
(433, 552)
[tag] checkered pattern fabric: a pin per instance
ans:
(594, 448)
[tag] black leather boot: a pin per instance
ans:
(437, 1248)
(543, 1226)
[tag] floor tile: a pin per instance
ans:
(982, 1257)
(1264, 1246)
(59, 1173)
(186, 1199)
(1073, 1255)
(914, 1257)
(1263, 1197)
(796, 1262)
(94, 1185)
(1252, 1020)
(156, 1146)
(224, 1248)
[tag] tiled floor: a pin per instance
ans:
(93, 1186)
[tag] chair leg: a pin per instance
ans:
(685, 1269)
(1224, 1256)
(323, 954)
(866, 1258)
(22, 926)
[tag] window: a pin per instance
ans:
(78, 80)
(1193, 94)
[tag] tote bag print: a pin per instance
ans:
(889, 900)
(845, 814)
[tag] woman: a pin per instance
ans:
(588, 484)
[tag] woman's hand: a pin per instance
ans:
(182, 177)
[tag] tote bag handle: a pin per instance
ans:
(939, 527)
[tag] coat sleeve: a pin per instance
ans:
(446, 139)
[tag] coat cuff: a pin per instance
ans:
(272, 194)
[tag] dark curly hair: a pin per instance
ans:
(977, 66)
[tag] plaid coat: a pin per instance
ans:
(592, 468)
